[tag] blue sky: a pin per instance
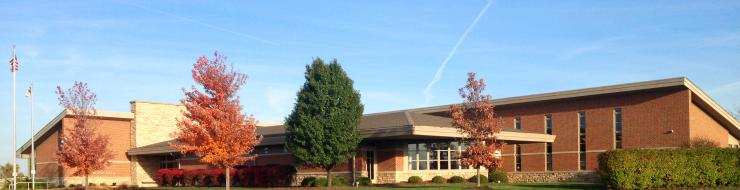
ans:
(144, 50)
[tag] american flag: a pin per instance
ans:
(14, 62)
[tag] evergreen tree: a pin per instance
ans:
(322, 129)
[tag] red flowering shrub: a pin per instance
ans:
(202, 178)
(245, 176)
(160, 177)
(189, 178)
(169, 177)
(253, 176)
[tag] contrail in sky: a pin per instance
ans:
(214, 27)
(428, 89)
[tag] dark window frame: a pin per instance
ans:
(518, 152)
(618, 128)
(582, 140)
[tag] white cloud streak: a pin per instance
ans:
(214, 27)
(427, 91)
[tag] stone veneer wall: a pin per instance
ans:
(153, 123)
(553, 176)
(346, 175)
(427, 175)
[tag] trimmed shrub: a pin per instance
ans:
(338, 181)
(670, 168)
(439, 179)
(456, 179)
(474, 179)
(322, 182)
(364, 181)
(415, 179)
(308, 182)
(498, 176)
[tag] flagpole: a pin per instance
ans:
(15, 170)
(33, 147)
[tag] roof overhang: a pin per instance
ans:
(166, 147)
(417, 132)
(65, 113)
(401, 132)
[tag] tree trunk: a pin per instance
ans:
(228, 178)
(354, 179)
(86, 183)
(328, 177)
(477, 176)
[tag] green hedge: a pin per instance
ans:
(668, 168)
(498, 176)
(415, 179)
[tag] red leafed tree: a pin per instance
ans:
(82, 148)
(475, 120)
(213, 127)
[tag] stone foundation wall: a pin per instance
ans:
(427, 175)
(346, 175)
(553, 176)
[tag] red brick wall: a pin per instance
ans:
(704, 126)
(647, 116)
(46, 149)
(119, 133)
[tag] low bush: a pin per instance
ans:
(456, 179)
(338, 181)
(415, 179)
(670, 168)
(498, 176)
(474, 179)
(308, 182)
(439, 179)
(364, 181)
(322, 182)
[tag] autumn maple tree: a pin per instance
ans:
(475, 120)
(82, 148)
(213, 127)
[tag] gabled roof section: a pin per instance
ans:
(713, 109)
(65, 113)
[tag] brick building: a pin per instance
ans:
(550, 137)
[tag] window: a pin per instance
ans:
(618, 128)
(518, 123)
(582, 140)
(271, 149)
(413, 156)
(434, 156)
(168, 162)
(549, 157)
(518, 157)
(548, 124)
